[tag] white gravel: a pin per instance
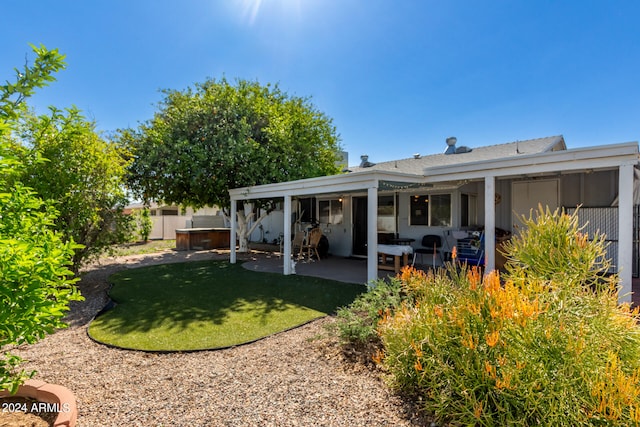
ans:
(299, 377)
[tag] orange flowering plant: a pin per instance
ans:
(543, 343)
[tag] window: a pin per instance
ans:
(330, 211)
(307, 210)
(433, 210)
(386, 214)
(420, 210)
(169, 212)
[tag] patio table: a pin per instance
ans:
(400, 255)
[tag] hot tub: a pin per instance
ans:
(202, 238)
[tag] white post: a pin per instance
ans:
(489, 223)
(233, 234)
(286, 258)
(372, 233)
(625, 231)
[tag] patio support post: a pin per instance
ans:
(490, 223)
(372, 233)
(625, 231)
(286, 257)
(233, 232)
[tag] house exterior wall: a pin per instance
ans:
(270, 228)
(592, 189)
(340, 235)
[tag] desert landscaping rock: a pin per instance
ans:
(298, 377)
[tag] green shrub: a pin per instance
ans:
(36, 285)
(540, 346)
(357, 323)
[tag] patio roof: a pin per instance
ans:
(549, 156)
(356, 181)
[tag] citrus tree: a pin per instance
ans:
(66, 161)
(206, 140)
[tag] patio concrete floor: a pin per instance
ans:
(349, 270)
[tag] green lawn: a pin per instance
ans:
(211, 304)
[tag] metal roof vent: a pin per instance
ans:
(451, 145)
(364, 161)
(416, 156)
(452, 149)
(463, 149)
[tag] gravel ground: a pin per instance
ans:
(299, 377)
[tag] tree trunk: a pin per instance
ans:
(243, 236)
(243, 229)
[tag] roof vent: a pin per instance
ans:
(364, 161)
(416, 156)
(451, 145)
(463, 149)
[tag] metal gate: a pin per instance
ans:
(605, 222)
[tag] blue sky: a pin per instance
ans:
(396, 76)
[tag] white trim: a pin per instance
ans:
(286, 258)
(489, 223)
(323, 185)
(372, 233)
(233, 234)
(625, 236)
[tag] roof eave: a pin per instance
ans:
(597, 157)
(323, 185)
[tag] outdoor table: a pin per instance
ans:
(400, 255)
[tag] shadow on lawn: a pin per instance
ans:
(179, 296)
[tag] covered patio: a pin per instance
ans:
(367, 182)
(371, 184)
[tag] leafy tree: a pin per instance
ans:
(206, 140)
(36, 285)
(82, 174)
(40, 74)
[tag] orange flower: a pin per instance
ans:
(493, 338)
(454, 253)
(477, 410)
(438, 310)
(416, 348)
(504, 382)
(418, 365)
(378, 357)
(490, 369)
(492, 282)
(469, 341)
(474, 278)
(406, 273)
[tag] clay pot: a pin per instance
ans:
(57, 399)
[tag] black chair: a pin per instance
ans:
(431, 244)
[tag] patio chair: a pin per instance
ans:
(313, 240)
(471, 250)
(431, 244)
(298, 243)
